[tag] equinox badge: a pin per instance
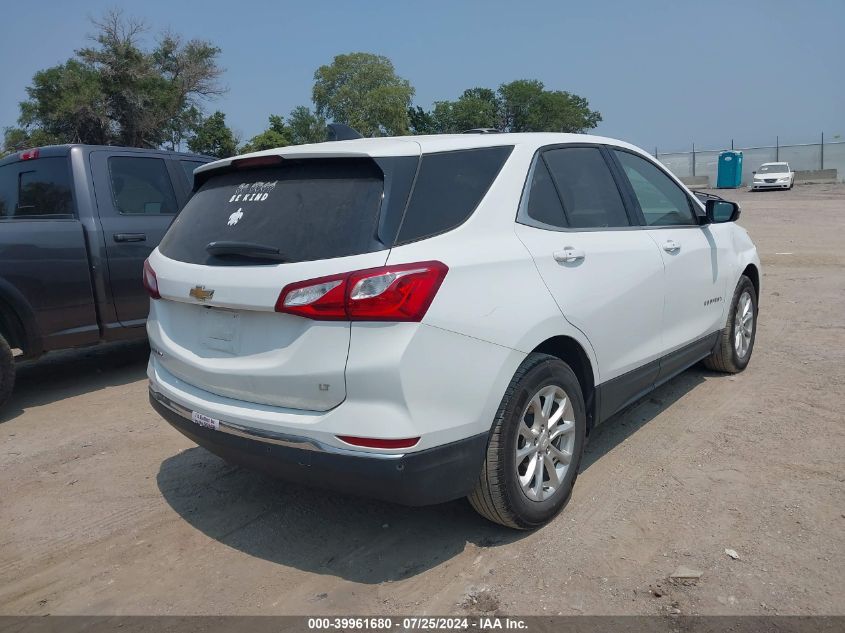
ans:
(200, 293)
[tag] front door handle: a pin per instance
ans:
(569, 255)
(130, 237)
(671, 246)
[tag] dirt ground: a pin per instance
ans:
(107, 510)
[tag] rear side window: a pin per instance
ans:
(141, 186)
(448, 188)
(589, 193)
(543, 201)
(663, 202)
(36, 189)
(305, 210)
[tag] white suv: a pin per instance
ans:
(419, 319)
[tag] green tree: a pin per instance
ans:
(116, 92)
(421, 122)
(363, 91)
(277, 135)
(66, 104)
(526, 106)
(213, 137)
(476, 107)
(304, 126)
(523, 105)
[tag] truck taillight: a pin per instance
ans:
(390, 293)
(150, 281)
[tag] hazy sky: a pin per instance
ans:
(661, 73)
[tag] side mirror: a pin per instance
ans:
(753, 173)
(719, 211)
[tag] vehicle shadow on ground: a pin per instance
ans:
(355, 539)
(69, 373)
(628, 421)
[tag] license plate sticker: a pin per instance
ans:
(205, 421)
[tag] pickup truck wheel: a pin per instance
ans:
(736, 340)
(7, 371)
(535, 446)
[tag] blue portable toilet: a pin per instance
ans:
(730, 170)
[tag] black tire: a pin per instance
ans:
(7, 371)
(725, 357)
(498, 495)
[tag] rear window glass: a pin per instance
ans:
(36, 189)
(306, 210)
(448, 188)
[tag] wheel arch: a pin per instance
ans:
(753, 273)
(571, 352)
(17, 321)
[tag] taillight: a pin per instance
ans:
(390, 293)
(30, 154)
(150, 281)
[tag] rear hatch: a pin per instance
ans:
(250, 229)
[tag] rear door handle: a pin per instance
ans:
(569, 255)
(671, 246)
(130, 237)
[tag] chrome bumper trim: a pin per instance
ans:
(270, 437)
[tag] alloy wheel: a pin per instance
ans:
(545, 443)
(743, 324)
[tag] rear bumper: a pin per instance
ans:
(426, 477)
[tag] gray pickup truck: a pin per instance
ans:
(76, 224)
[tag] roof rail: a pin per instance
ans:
(482, 130)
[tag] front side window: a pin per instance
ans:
(589, 193)
(662, 201)
(141, 186)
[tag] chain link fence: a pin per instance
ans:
(801, 157)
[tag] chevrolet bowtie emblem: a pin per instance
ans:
(200, 293)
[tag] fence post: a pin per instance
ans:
(777, 148)
(732, 144)
(655, 152)
(693, 160)
(822, 150)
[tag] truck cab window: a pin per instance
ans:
(188, 166)
(141, 186)
(42, 191)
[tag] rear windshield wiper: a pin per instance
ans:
(245, 249)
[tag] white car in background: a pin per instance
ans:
(773, 176)
(424, 318)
